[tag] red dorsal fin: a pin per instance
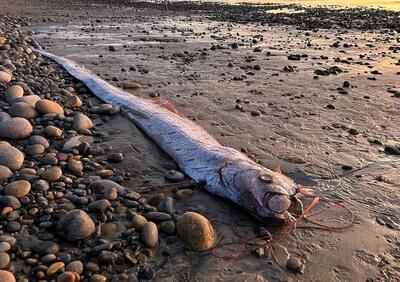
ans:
(169, 106)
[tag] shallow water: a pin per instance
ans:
(385, 4)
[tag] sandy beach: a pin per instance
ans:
(315, 93)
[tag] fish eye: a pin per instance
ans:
(266, 178)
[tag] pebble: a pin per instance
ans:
(146, 273)
(45, 106)
(4, 246)
(29, 99)
(168, 227)
(81, 122)
(67, 276)
(4, 260)
(22, 109)
(99, 205)
(5, 173)
(295, 265)
(18, 188)
(139, 221)
(75, 266)
(76, 225)
(131, 85)
(115, 157)
(52, 174)
(13, 92)
(9, 201)
(73, 102)
(196, 231)
(10, 156)
(37, 139)
(75, 166)
(15, 128)
(166, 205)
(34, 149)
(54, 268)
(149, 234)
(183, 194)
(53, 131)
(174, 176)
(45, 247)
(98, 278)
(6, 276)
(4, 116)
(5, 77)
(106, 189)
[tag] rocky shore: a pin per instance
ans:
(62, 197)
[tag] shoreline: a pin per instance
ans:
(183, 72)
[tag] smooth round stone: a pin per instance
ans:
(98, 278)
(75, 266)
(5, 173)
(35, 149)
(45, 106)
(75, 166)
(5, 77)
(4, 247)
(12, 227)
(37, 139)
(54, 268)
(106, 189)
(9, 201)
(29, 99)
(18, 188)
(81, 122)
(174, 176)
(45, 247)
(4, 260)
(99, 205)
(149, 234)
(40, 185)
(52, 174)
(295, 265)
(8, 239)
(105, 173)
(22, 109)
(76, 225)
(131, 85)
(196, 231)
(115, 157)
(4, 116)
(48, 258)
(67, 276)
(183, 194)
(2, 40)
(53, 131)
(6, 276)
(15, 128)
(73, 102)
(139, 221)
(10, 156)
(13, 92)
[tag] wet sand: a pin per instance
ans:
(263, 98)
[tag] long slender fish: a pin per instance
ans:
(226, 172)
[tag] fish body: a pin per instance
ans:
(225, 171)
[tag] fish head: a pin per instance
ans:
(265, 193)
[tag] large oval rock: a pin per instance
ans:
(18, 188)
(196, 231)
(6, 276)
(45, 106)
(5, 77)
(76, 225)
(10, 156)
(22, 109)
(15, 128)
(81, 122)
(13, 92)
(150, 235)
(5, 173)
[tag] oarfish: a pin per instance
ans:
(224, 171)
